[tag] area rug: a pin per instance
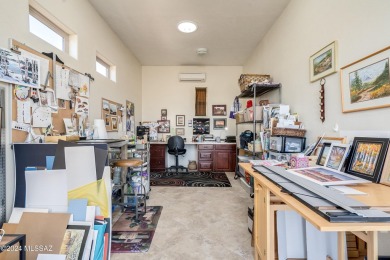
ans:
(130, 236)
(189, 179)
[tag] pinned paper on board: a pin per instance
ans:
(82, 106)
(84, 85)
(41, 116)
(43, 65)
(62, 80)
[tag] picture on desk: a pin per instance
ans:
(368, 157)
(325, 176)
(114, 123)
(337, 155)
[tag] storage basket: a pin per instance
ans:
(246, 79)
(288, 131)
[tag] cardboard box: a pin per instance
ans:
(54, 139)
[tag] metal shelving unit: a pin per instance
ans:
(254, 91)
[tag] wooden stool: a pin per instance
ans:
(129, 163)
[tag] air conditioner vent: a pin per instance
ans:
(199, 77)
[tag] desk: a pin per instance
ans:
(211, 156)
(266, 205)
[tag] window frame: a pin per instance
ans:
(104, 64)
(51, 25)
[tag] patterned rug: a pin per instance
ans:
(128, 236)
(190, 179)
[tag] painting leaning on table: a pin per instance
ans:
(370, 82)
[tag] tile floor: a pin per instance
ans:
(199, 223)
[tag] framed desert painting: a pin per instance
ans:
(365, 84)
(323, 62)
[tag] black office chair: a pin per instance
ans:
(176, 148)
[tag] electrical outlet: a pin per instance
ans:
(20, 126)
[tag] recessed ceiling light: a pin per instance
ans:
(187, 26)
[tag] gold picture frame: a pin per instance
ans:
(362, 92)
(323, 62)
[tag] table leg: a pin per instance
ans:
(372, 245)
(341, 245)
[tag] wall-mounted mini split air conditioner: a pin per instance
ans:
(192, 77)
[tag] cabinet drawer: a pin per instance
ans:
(231, 147)
(205, 147)
(205, 165)
(206, 155)
(157, 151)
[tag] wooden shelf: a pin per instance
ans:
(261, 89)
(250, 122)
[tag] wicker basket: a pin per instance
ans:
(246, 79)
(288, 131)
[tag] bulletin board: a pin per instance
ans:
(112, 114)
(65, 109)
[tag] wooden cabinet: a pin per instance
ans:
(205, 157)
(217, 157)
(157, 157)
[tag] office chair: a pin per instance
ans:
(176, 148)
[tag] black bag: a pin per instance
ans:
(245, 138)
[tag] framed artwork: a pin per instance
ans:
(180, 120)
(323, 154)
(325, 176)
(365, 84)
(164, 112)
(219, 110)
(219, 123)
(114, 123)
(336, 156)
(164, 126)
(328, 139)
(179, 131)
(74, 240)
(385, 178)
(368, 157)
(323, 62)
(163, 118)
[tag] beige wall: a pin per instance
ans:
(162, 89)
(94, 35)
(359, 26)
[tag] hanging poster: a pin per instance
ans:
(82, 106)
(130, 118)
(84, 85)
(17, 69)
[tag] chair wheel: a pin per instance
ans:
(252, 195)
(147, 197)
(235, 177)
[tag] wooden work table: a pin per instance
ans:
(269, 198)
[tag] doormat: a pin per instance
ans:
(130, 236)
(189, 179)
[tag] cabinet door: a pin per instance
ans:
(222, 161)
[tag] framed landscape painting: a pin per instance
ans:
(365, 84)
(368, 157)
(323, 62)
(336, 156)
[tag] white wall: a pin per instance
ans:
(360, 27)
(162, 89)
(93, 35)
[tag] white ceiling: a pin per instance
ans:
(229, 29)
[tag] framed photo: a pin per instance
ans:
(164, 112)
(323, 62)
(163, 118)
(365, 84)
(323, 154)
(325, 176)
(164, 126)
(219, 123)
(179, 131)
(385, 178)
(336, 156)
(114, 123)
(219, 110)
(180, 120)
(368, 157)
(74, 240)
